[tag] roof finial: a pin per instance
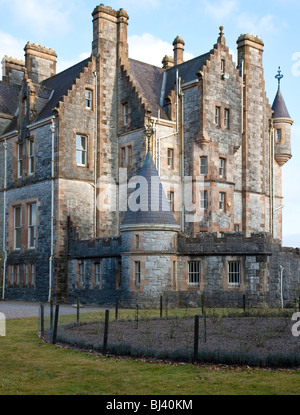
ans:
(221, 38)
(279, 76)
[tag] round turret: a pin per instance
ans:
(282, 124)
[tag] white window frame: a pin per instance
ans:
(204, 199)
(88, 99)
(234, 273)
(20, 160)
(17, 228)
(203, 166)
(171, 200)
(81, 150)
(222, 198)
(170, 158)
(194, 273)
(30, 157)
(32, 225)
(125, 110)
(222, 168)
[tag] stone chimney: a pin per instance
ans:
(178, 50)
(40, 62)
(168, 62)
(12, 70)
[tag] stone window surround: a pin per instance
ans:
(87, 151)
(24, 205)
(124, 114)
(25, 159)
(222, 107)
(226, 285)
(22, 275)
(91, 98)
(124, 157)
(279, 127)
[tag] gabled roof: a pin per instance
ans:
(156, 83)
(186, 71)
(60, 84)
(154, 209)
(279, 107)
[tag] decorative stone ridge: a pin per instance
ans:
(15, 61)
(250, 37)
(40, 48)
(109, 10)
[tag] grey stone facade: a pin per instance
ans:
(69, 135)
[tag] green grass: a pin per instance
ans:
(28, 366)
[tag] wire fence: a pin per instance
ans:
(259, 337)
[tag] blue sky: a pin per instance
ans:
(66, 26)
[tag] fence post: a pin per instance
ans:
(137, 316)
(204, 318)
(117, 307)
(78, 307)
(244, 302)
(167, 308)
(105, 332)
(42, 321)
(196, 338)
(202, 303)
(55, 324)
(161, 306)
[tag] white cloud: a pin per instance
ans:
(63, 64)
(150, 49)
(219, 10)
(42, 17)
(257, 25)
(11, 47)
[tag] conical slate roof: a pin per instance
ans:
(147, 204)
(279, 107)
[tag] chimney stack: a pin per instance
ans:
(40, 62)
(178, 50)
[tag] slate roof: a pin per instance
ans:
(279, 107)
(149, 79)
(60, 84)
(9, 98)
(154, 208)
(186, 71)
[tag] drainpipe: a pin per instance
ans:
(52, 211)
(95, 154)
(4, 219)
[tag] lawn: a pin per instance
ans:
(28, 366)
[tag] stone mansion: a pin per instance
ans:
(120, 178)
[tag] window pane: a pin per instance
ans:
(203, 166)
(194, 273)
(234, 273)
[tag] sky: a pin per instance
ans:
(66, 26)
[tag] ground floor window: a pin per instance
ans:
(234, 273)
(194, 273)
(138, 274)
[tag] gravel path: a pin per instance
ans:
(18, 309)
